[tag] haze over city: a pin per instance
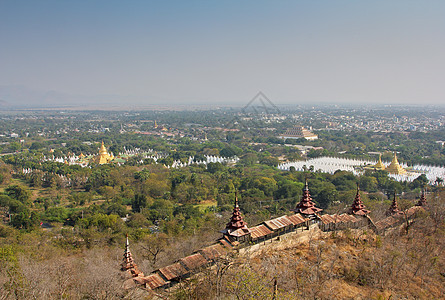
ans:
(221, 53)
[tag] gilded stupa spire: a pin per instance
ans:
(394, 167)
(103, 157)
(102, 149)
(379, 165)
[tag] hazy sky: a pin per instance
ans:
(226, 51)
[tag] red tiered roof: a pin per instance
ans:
(422, 200)
(358, 208)
(394, 208)
(306, 205)
(128, 263)
(236, 221)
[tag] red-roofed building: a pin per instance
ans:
(394, 208)
(236, 229)
(422, 200)
(306, 206)
(358, 208)
(128, 263)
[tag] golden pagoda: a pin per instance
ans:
(394, 167)
(103, 157)
(379, 165)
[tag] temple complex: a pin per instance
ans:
(306, 206)
(379, 165)
(236, 235)
(103, 157)
(358, 208)
(394, 167)
(298, 132)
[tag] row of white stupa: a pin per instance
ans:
(176, 164)
(27, 171)
(209, 159)
(329, 165)
(77, 158)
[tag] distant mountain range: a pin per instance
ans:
(16, 97)
(21, 97)
(3, 103)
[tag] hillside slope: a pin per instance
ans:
(407, 263)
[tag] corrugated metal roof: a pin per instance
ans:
(309, 210)
(260, 231)
(344, 218)
(225, 243)
(278, 223)
(173, 271)
(388, 222)
(240, 232)
(213, 252)
(326, 219)
(154, 281)
(193, 261)
(297, 219)
(349, 218)
(140, 280)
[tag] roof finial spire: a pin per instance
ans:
(358, 208)
(379, 165)
(422, 200)
(394, 167)
(128, 263)
(394, 208)
(306, 205)
(236, 221)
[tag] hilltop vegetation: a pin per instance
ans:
(63, 226)
(350, 264)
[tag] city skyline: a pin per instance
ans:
(169, 53)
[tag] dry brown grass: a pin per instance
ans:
(352, 264)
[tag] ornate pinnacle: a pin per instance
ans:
(306, 205)
(358, 208)
(236, 221)
(128, 261)
(422, 200)
(394, 208)
(236, 200)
